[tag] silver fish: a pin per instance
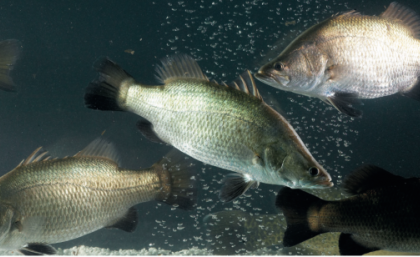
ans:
(45, 201)
(350, 57)
(227, 127)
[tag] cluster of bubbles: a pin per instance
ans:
(228, 37)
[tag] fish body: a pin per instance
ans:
(350, 57)
(52, 201)
(219, 125)
(382, 214)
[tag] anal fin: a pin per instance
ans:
(344, 102)
(38, 249)
(235, 185)
(146, 129)
(348, 246)
(127, 223)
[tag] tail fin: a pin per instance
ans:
(227, 232)
(300, 210)
(178, 182)
(9, 53)
(109, 91)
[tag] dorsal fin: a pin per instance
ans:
(368, 177)
(245, 83)
(404, 15)
(347, 13)
(100, 148)
(179, 66)
(38, 155)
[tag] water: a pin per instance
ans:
(62, 39)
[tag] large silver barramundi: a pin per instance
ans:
(350, 57)
(227, 127)
(45, 201)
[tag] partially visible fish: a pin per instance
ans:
(352, 56)
(382, 214)
(226, 126)
(45, 201)
(238, 232)
(9, 53)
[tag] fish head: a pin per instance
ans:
(297, 170)
(298, 71)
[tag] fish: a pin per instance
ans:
(381, 213)
(239, 232)
(10, 50)
(227, 126)
(349, 57)
(45, 201)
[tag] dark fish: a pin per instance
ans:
(382, 214)
(352, 56)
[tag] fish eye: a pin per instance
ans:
(313, 171)
(279, 66)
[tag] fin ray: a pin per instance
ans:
(179, 66)
(234, 185)
(245, 83)
(178, 183)
(128, 222)
(146, 129)
(295, 205)
(38, 249)
(100, 148)
(38, 155)
(343, 102)
(405, 16)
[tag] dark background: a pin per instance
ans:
(63, 39)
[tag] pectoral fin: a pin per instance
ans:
(235, 185)
(38, 249)
(343, 102)
(146, 129)
(127, 223)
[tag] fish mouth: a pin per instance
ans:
(320, 183)
(272, 79)
(263, 76)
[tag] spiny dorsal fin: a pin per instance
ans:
(179, 66)
(245, 82)
(404, 15)
(100, 148)
(368, 177)
(347, 13)
(38, 155)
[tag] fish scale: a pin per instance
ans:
(44, 194)
(229, 127)
(352, 56)
(46, 201)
